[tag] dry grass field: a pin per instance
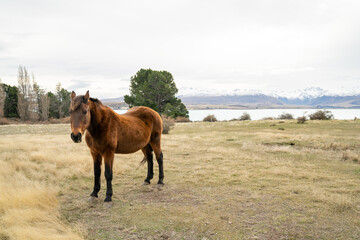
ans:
(223, 180)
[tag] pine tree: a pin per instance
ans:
(155, 89)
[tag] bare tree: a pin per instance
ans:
(45, 102)
(34, 100)
(28, 96)
(2, 100)
(60, 100)
(24, 89)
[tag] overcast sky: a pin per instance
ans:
(263, 45)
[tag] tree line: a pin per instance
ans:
(29, 102)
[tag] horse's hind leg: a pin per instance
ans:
(149, 158)
(159, 157)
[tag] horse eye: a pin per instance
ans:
(85, 111)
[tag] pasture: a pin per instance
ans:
(223, 180)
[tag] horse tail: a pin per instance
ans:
(142, 162)
(149, 150)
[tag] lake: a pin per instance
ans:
(257, 114)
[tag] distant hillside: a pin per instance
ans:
(257, 101)
(326, 101)
(265, 101)
(241, 100)
(115, 103)
(109, 100)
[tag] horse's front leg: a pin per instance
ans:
(97, 172)
(108, 160)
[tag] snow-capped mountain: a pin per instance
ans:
(307, 93)
(311, 92)
(190, 92)
(251, 98)
(312, 96)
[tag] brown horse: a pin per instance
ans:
(108, 133)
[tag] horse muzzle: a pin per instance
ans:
(76, 138)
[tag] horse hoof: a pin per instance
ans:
(92, 199)
(146, 183)
(107, 204)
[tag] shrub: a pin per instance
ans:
(65, 119)
(182, 119)
(210, 118)
(301, 119)
(321, 115)
(286, 116)
(245, 116)
(4, 121)
(168, 124)
(54, 121)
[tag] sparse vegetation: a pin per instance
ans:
(226, 180)
(301, 119)
(182, 119)
(168, 124)
(350, 155)
(284, 115)
(4, 121)
(321, 115)
(210, 118)
(245, 116)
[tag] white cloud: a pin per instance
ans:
(264, 44)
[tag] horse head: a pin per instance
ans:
(79, 115)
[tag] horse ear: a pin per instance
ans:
(73, 94)
(86, 96)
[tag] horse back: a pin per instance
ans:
(147, 115)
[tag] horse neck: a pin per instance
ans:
(97, 117)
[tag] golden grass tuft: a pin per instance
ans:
(29, 207)
(349, 155)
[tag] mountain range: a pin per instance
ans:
(313, 97)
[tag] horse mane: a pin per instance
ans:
(95, 100)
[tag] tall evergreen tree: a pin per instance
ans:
(155, 89)
(53, 105)
(63, 97)
(59, 103)
(11, 101)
